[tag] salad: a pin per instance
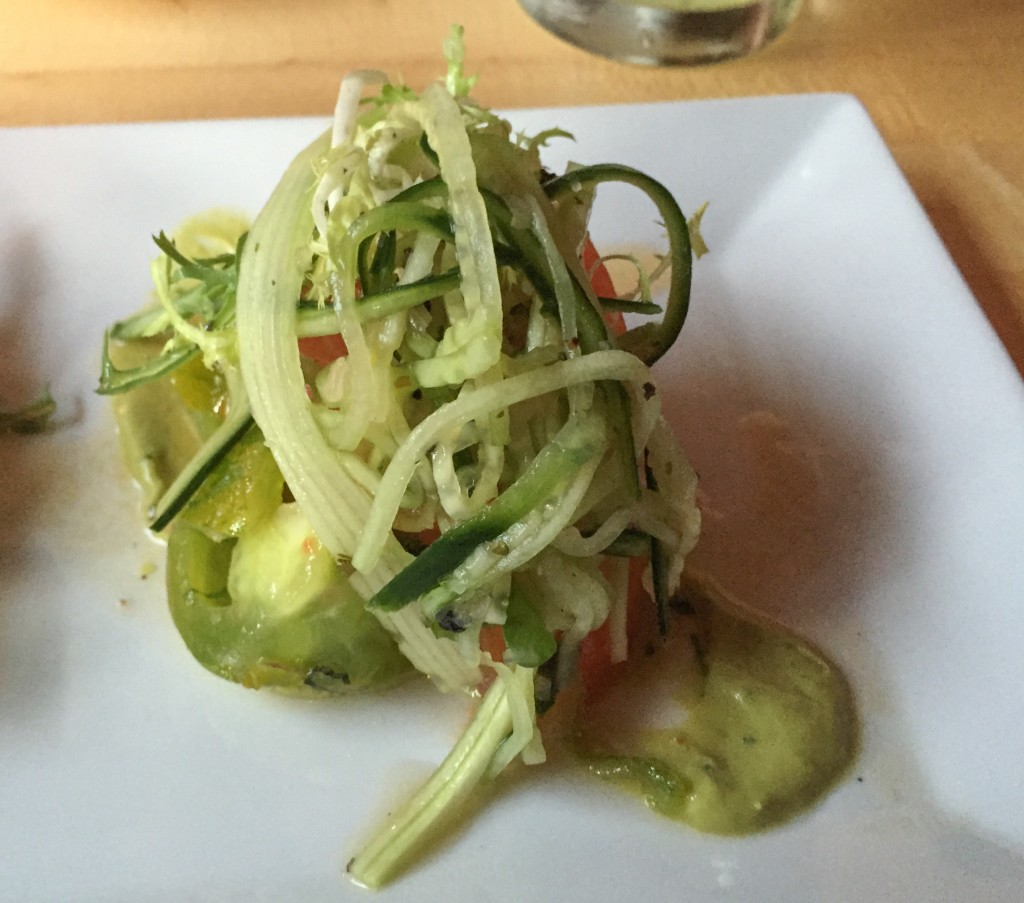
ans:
(398, 424)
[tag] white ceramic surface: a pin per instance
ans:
(859, 432)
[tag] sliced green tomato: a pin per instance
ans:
(279, 568)
(245, 487)
(312, 636)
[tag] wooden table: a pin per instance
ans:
(943, 80)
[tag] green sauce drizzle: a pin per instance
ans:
(735, 725)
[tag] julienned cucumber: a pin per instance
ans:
(575, 443)
(649, 341)
(227, 435)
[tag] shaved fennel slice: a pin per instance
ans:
(346, 109)
(504, 715)
(360, 381)
(524, 739)
(269, 282)
(470, 346)
(270, 279)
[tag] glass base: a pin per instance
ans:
(665, 32)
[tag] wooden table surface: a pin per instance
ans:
(942, 79)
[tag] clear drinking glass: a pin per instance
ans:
(665, 32)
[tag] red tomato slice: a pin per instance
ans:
(492, 641)
(323, 349)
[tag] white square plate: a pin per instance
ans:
(859, 432)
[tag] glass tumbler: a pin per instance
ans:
(665, 32)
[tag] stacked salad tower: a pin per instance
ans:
(420, 436)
